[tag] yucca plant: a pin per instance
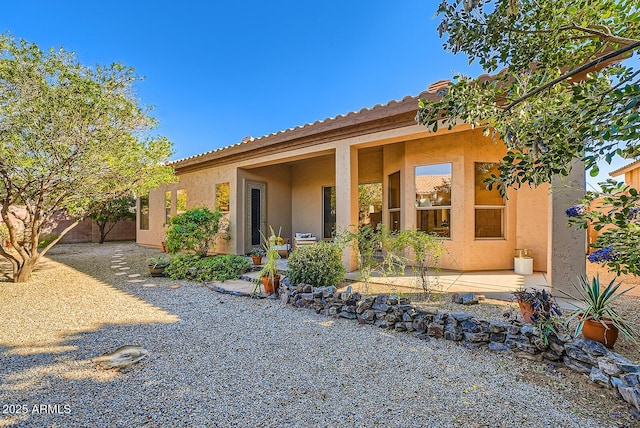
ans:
(600, 305)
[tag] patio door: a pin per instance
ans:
(255, 213)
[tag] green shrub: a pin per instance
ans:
(319, 265)
(216, 268)
(195, 230)
(47, 240)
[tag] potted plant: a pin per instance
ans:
(269, 272)
(256, 255)
(157, 265)
(598, 320)
(539, 307)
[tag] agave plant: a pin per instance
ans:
(600, 305)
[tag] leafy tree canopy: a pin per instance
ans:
(110, 213)
(564, 88)
(70, 135)
(567, 93)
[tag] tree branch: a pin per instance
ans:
(572, 73)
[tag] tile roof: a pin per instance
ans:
(626, 168)
(405, 105)
(426, 183)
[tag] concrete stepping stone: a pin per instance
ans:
(121, 273)
(174, 286)
(149, 285)
(134, 275)
(125, 268)
(135, 280)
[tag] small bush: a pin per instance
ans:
(47, 240)
(216, 268)
(319, 265)
(195, 230)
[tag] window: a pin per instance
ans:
(370, 204)
(144, 212)
(394, 202)
(433, 199)
(167, 206)
(222, 197)
(181, 201)
(328, 211)
(489, 205)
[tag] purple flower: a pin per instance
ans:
(575, 211)
(605, 254)
(633, 212)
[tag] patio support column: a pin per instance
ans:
(567, 245)
(347, 197)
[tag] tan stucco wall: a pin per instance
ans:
(525, 222)
(200, 188)
(307, 179)
(632, 178)
(295, 179)
(279, 197)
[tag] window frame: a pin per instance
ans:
(391, 209)
(477, 207)
(143, 221)
(419, 208)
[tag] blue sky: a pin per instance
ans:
(216, 72)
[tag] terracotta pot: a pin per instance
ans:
(594, 330)
(256, 259)
(270, 287)
(527, 311)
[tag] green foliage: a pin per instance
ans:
(319, 265)
(194, 230)
(158, 262)
(546, 312)
(569, 92)
(425, 249)
(616, 214)
(109, 213)
(367, 242)
(599, 305)
(215, 268)
(270, 265)
(70, 135)
(47, 240)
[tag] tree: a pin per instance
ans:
(196, 230)
(110, 213)
(567, 94)
(69, 135)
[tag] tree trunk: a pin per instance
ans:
(103, 235)
(23, 273)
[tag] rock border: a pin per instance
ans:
(389, 311)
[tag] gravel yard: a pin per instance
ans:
(217, 360)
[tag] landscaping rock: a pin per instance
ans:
(599, 378)
(499, 347)
(435, 330)
(591, 347)
(427, 310)
(577, 365)
(577, 353)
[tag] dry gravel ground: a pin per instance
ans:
(217, 360)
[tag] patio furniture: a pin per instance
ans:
(301, 239)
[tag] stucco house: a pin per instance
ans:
(308, 179)
(631, 173)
